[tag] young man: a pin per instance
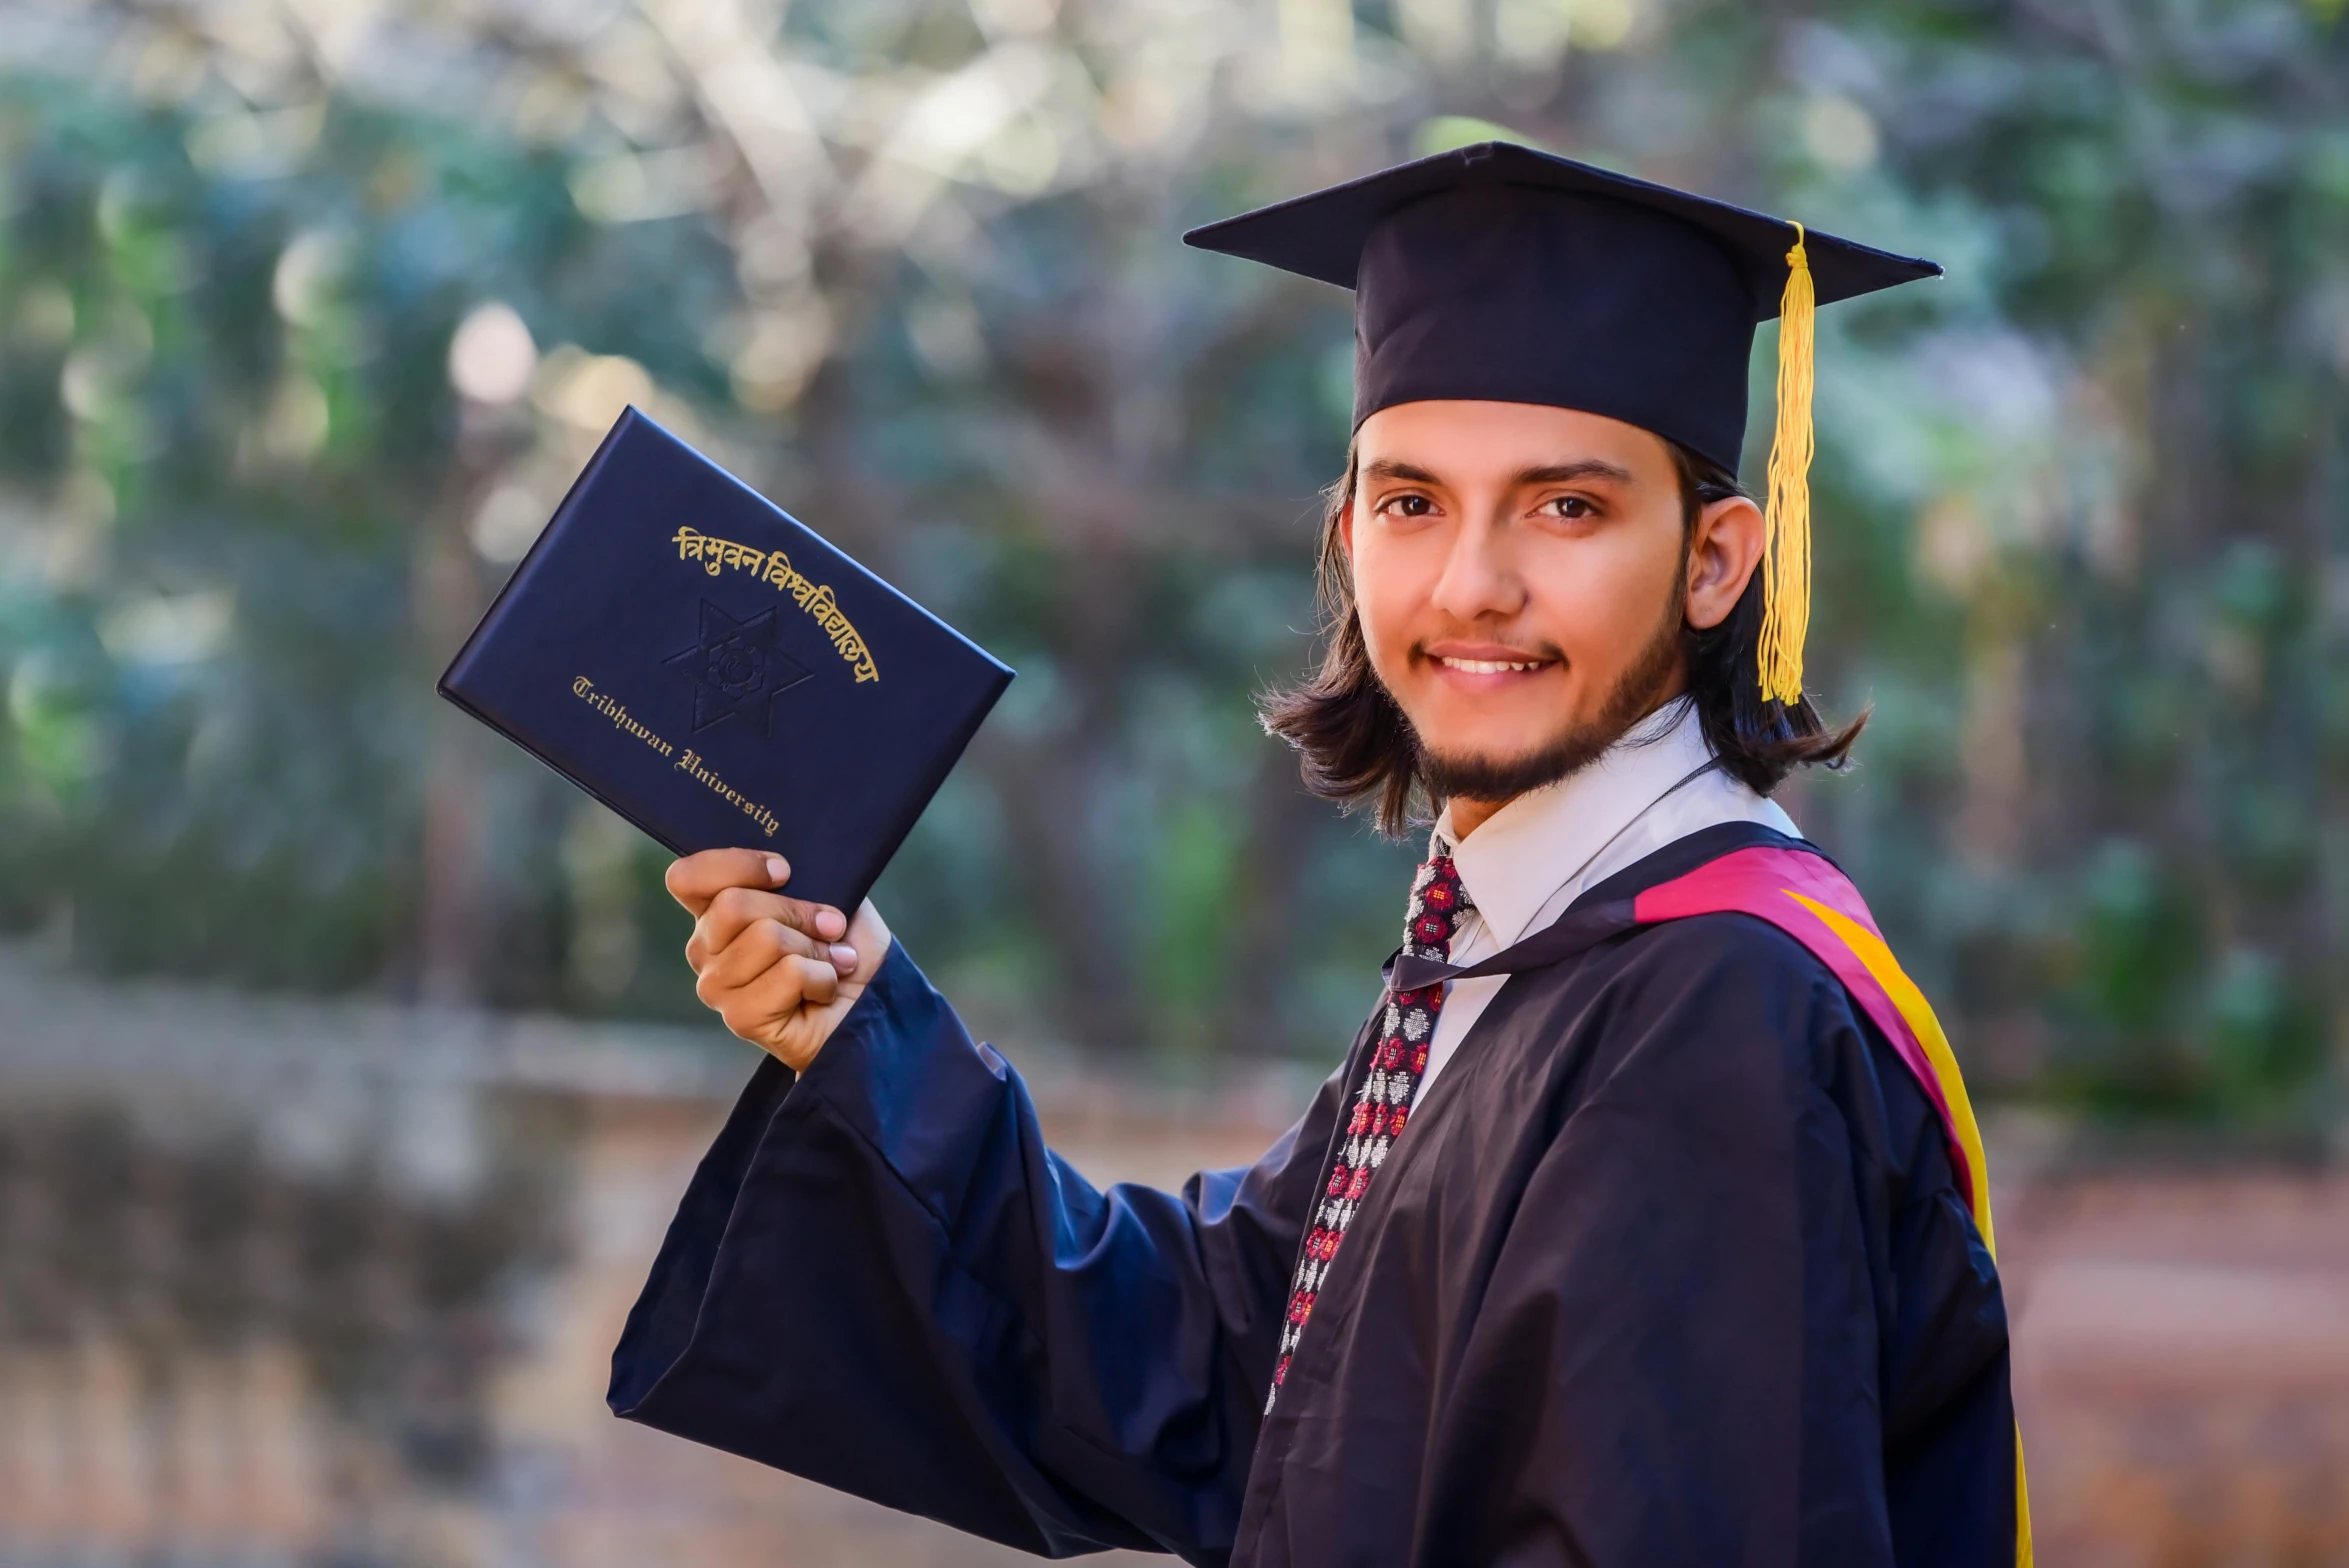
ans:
(1643, 1225)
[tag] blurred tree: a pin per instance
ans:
(308, 325)
(2138, 550)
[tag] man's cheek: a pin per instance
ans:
(1585, 616)
(1386, 636)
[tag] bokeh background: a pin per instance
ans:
(348, 1069)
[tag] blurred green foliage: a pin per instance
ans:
(269, 439)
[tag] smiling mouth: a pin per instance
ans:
(1490, 666)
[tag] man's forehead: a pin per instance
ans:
(1438, 441)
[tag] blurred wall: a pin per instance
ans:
(300, 1282)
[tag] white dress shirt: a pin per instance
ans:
(1525, 863)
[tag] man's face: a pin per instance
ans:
(1520, 575)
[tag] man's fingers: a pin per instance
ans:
(753, 953)
(734, 910)
(696, 879)
(755, 1010)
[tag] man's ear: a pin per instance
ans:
(1724, 549)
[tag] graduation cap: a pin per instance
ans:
(1500, 273)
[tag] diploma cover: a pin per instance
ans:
(711, 669)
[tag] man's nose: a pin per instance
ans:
(1480, 577)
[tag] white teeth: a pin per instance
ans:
(1486, 666)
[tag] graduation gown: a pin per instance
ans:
(1676, 1264)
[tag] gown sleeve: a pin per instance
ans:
(1679, 1358)
(881, 1279)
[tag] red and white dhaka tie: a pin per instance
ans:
(1407, 1024)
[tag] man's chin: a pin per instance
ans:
(1473, 774)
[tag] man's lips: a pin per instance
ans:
(1485, 658)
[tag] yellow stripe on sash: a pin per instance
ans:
(2022, 1507)
(1918, 1014)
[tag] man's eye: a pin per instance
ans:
(1569, 506)
(1407, 505)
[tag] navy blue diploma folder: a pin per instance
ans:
(712, 670)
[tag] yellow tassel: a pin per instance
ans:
(1786, 558)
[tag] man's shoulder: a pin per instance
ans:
(1703, 935)
(1730, 959)
(1739, 1000)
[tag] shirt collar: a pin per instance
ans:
(1521, 854)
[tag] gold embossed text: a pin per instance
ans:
(774, 567)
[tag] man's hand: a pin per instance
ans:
(780, 972)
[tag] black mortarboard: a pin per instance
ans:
(1498, 272)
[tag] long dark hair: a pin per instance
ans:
(1357, 748)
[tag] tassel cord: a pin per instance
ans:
(1786, 558)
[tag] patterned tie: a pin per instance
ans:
(1437, 903)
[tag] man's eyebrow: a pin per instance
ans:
(1567, 473)
(1410, 473)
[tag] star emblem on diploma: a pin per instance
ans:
(738, 668)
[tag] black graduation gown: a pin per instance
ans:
(1669, 1268)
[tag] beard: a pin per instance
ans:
(1637, 694)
